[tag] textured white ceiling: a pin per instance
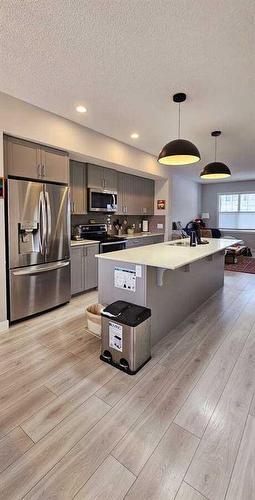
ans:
(123, 59)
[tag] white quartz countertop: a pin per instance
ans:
(75, 243)
(78, 243)
(168, 255)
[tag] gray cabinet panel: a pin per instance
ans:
(149, 187)
(83, 268)
(26, 159)
(126, 194)
(55, 167)
(100, 177)
(91, 266)
(148, 240)
(22, 158)
(77, 270)
(110, 179)
(135, 195)
(78, 187)
(95, 176)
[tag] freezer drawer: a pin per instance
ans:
(35, 289)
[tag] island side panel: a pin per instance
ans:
(108, 293)
(182, 292)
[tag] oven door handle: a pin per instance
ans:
(114, 243)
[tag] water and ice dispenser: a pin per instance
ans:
(28, 236)
(126, 336)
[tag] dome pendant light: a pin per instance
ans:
(180, 151)
(216, 169)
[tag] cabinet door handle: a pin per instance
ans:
(39, 170)
(73, 208)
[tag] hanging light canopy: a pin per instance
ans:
(179, 151)
(216, 169)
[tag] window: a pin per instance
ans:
(237, 211)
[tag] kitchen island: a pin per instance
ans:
(170, 278)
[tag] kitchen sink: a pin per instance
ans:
(179, 243)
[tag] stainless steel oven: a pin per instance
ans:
(102, 200)
(112, 246)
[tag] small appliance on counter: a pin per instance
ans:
(145, 226)
(126, 336)
(193, 239)
(98, 232)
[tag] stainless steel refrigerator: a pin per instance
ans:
(38, 247)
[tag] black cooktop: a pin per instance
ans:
(96, 232)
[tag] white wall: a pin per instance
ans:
(23, 120)
(3, 317)
(186, 199)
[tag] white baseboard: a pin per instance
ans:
(4, 325)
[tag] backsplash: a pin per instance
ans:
(154, 220)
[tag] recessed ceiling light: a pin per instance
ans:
(135, 135)
(81, 109)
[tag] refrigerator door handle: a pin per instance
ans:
(48, 215)
(42, 216)
(38, 270)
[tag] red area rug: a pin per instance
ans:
(244, 265)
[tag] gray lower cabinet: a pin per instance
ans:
(148, 240)
(33, 161)
(78, 187)
(83, 268)
(77, 272)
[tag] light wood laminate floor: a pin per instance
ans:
(183, 428)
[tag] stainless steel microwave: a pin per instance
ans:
(102, 200)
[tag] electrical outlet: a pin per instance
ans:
(160, 226)
(140, 225)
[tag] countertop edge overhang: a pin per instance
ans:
(168, 255)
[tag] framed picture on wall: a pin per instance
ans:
(161, 204)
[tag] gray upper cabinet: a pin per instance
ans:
(55, 165)
(83, 268)
(110, 179)
(135, 195)
(22, 159)
(78, 187)
(95, 176)
(102, 178)
(126, 194)
(147, 205)
(33, 161)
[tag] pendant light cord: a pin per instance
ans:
(179, 121)
(215, 149)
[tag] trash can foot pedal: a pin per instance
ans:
(122, 367)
